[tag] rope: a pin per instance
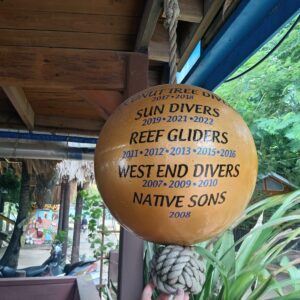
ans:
(172, 12)
(177, 267)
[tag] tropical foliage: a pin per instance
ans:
(93, 206)
(268, 98)
(258, 265)
(9, 186)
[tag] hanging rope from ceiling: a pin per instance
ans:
(172, 13)
(176, 267)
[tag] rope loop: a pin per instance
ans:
(172, 12)
(176, 267)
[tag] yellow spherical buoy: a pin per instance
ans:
(175, 164)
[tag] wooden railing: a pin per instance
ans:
(47, 288)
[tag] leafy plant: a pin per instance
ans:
(93, 206)
(60, 237)
(255, 268)
(268, 99)
(10, 186)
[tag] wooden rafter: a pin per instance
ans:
(55, 52)
(22, 19)
(103, 7)
(104, 101)
(196, 31)
(18, 99)
(68, 123)
(159, 44)
(75, 40)
(62, 68)
(54, 124)
(150, 17)
(190, 11)
(222, 16)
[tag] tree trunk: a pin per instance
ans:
(65, 219)
(61, 207)
(11, 255)
(8, 215)
(77, 226)
(1, 211)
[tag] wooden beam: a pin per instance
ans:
(68, 22)
(155, 76)
(159, 44)
(103, 7)
(54, 124)
(137, 74)
(104, 101)
(60, 39)
(18, 99)
(59, 102)
(191, 10)
(150, 17)
(196, 32)
(62, 68)
(229, 7)
(158, 48)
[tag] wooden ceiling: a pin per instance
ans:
(63, 64)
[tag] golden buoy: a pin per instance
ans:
(175, 164)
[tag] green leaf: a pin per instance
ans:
(290, 296)
(226, 252)
(240, 286)
(292, 270)
(260, 290)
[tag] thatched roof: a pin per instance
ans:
(81, 171)
(34, 166)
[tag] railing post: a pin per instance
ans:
(130, 280)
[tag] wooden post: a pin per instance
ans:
(130, 281)
(77, 225)
(102, 250)
(1, 211)
(61, 207)
(65, 222)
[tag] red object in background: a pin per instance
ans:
(39, 234)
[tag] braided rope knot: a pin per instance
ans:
(172, 12)
(177, 267)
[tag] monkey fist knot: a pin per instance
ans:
(177, 267)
